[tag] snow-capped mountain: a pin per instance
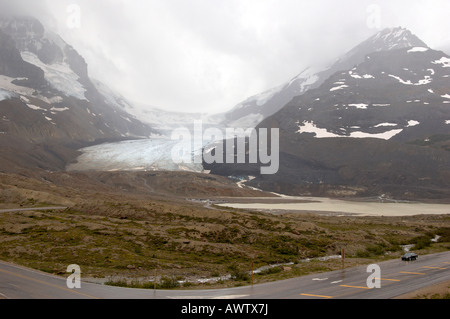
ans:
(381, 125)
(49, 106)
(47, 93)
(163, 121)
(401, 94)
(256, 108)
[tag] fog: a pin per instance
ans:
(209, 55)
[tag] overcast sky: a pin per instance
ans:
(209, 55)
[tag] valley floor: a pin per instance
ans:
(147, 229)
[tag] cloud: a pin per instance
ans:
(208, 55)
(23, 7)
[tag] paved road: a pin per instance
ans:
(397, 278)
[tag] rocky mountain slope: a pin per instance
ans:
(400, 94)
(47, 97)
(380, 126)
(256, 108)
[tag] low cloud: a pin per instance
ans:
(208, 55)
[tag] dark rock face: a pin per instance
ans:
(11, 63)
(381, 126)
(396, 91)
(50, 100)
(269, 102)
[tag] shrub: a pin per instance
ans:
(238, 274)
(421, 242)
(168, 283)
(272, 270)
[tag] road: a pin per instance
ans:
(13, 210)
(397, 278)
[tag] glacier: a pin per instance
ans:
(140, 155)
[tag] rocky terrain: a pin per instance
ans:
(375, 122)
(256, 108)
(380, 126)
(49, 106)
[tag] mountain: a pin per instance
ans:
(381, 126)
(399, 95)
(161, 120)
(47, 97)
(256, 108)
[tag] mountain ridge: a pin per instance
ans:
(47, 97)
(366, 130)
(268, 102)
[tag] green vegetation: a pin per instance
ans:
(132, 237)
(197, 244)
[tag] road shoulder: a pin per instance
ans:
(440, 289)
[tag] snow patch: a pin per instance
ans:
(386, 124)
(59, 109)
(36, 108)
(359, 106)
(356, 76)
(52, 100)
(338, 87)
(310, 127)
(444, 61)
(59, 75)
(417, 49)
(425, 80)
(24, 99)
(412, 123)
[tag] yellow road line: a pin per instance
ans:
(320, 296)
(412, 273)
(433, 267)
(46, 283)
(360, 287)
(388, 279)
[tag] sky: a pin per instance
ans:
(209, 55)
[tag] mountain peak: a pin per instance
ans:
(395, 38)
